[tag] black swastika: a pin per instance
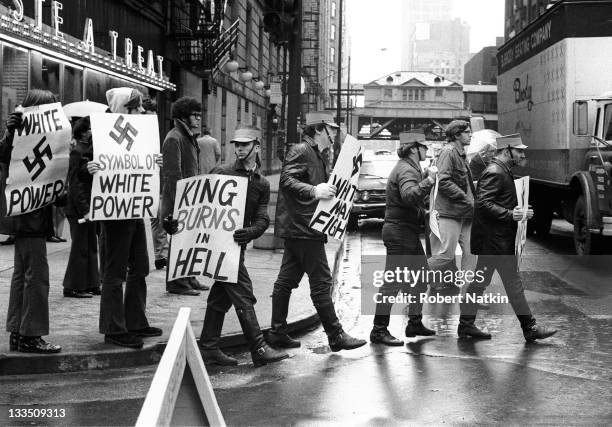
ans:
(124, 133)
(38, 158)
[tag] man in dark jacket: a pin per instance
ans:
(493, 237)
(181, 160)
(222, 296)
(303, 183)
(454, 202)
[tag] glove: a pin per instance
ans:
(170, 225)
(324, 191)
(13, 122)
(244, 235)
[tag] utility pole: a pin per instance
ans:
(295, 83)
(338, 97)
(348, 96)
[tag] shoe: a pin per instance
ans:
(149, 331)
(37, 345)
(266, 354)
(160, 263)
(417, 328)
(536, 332)
(282, 340)
(190, 292)
(193, 282)
(71, 293)
(383, 336)
(469, 330)
(216, 357)
(13, 341)
(94, 291)
(343, 341)
(9, 241)
(55, 239)
(124, 340)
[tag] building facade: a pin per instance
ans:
(519, 13)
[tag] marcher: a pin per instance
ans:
(82, 277)
(493, 240)
(28, 310)
(407, 193)
(210, 151)
(160, 238)
(454, 202)
(181, 160)
(123, 320)
(222, 296)
(303, 183)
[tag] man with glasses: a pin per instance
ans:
(303, 183)
(181, 160)
(454, 202)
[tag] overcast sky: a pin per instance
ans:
(374, 27)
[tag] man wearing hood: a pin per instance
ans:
(182, 160)
(124, 252)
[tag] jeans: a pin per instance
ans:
(240, 294)
(82, 270)
(160, 239)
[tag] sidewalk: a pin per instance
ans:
(74, 322)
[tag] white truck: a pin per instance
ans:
(555, 89)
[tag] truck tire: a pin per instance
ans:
(583, 240)
(353, 223)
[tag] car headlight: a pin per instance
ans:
(365, 196)
(357, 196)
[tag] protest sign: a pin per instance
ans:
(331, 216)
(522, 194)
(208, 208)
(39, 161)
(127, 185)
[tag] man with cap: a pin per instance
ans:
(454, 202)
(223, 295)
(181, 160)
(493, 236)
(303, 183)
(407, 192)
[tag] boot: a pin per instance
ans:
(36, 345)
(277, 336)
(467, 329)
(532, 331)
(343, 341)
(261, 353)
(13, 341)
(415, 327)
(209, 339)
(381, 335)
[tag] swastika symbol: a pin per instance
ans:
(124, 133)
(38, 158)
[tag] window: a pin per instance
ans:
(332, 33)
(239, 111)
(388, 94)
(405, 95)
(96, 85)
(422, 94)
(439, 92)
(73, 84)
(14, 79)
(333, 9)
(332, 55)
(44, 73)
(410, 95)
(608, 123)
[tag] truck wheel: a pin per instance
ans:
(582, 236)
(353, 223)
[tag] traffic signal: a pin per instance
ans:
(280, 19)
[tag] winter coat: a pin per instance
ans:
(454, 200)
(493, 229)
(79, 181)
(304, 169)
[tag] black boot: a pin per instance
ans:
(415, 327)
(532, 331)
(467, 329)
(343, 341)
(381, 335)
(209, 339)
(277, 336)
(261, 353)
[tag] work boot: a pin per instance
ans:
(415, 327)
(261, 353)
(209, 339)
(277, 336)
(343, 341)
(381, 335)
(537, 332)
(467, 329)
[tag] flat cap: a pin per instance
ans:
(320, 117)
(246, 134)
(511, 141)
(413, 137)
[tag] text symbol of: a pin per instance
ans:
(124, 133)
(38, 158)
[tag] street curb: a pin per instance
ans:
(32, 364)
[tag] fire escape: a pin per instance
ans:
(203, 44)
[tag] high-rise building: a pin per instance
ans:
(433, 40)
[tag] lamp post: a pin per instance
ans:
(338, 98)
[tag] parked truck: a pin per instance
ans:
(555, 89)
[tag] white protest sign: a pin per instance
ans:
(331, 215)
(39, 161)
(208, 208)
(127, 185)
(522, 194)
